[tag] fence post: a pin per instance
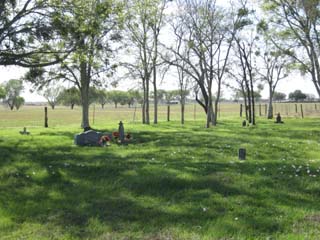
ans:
(45, 117)
(168, 113)
(301, 111)
(265, 109)
(296, 108)
(260, 114)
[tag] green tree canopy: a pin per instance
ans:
(70, 97)
(297, 95)
(13, 89)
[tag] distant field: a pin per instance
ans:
(33, 116)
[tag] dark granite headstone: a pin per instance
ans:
(88, 138)
(242, 154)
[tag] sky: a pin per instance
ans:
(293, 82)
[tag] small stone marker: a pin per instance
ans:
(278, 119)
(121, 132)
(24, 132)
(242, 154)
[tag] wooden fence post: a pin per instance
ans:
(260, 114)
(301, 111)
(168, 113)
(266, 109)
(45, 117)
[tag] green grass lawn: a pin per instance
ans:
(170, 182)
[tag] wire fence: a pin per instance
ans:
(34, 115)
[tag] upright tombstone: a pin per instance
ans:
(45, 117)
(121, 132)
(242, 154)
(278, 119)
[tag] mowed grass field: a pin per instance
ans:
(170, 182)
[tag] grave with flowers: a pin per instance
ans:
(95, 138)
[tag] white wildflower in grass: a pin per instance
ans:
(236, 219)
(34, 173)
(204, 209)
(27, 176)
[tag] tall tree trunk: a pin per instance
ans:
(253, 113)
(270, 108)
(84, 95)
(216, 105)
(249, 102)
(147, 101)
(245, 101)
(144, 102)
(155, 92)
(182, 109)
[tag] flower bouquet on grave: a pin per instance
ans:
(104, 140)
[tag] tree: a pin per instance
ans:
(144, 22)
(13, 89)
(26, 36)
(134, 96)
(184, 84)
(51, 94)
(117, 97)
(102, 97)
(296, 33)
(297, 95)
(278, 96)
(204, 35)
(90, 26)
(70, 97)
(274, 65)
(2, 92)
(19, 101)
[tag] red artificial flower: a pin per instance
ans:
(116, 134)
(104, 138)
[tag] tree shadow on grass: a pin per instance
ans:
(131, 192)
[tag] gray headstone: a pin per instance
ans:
(242, 154)
(88, 138)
